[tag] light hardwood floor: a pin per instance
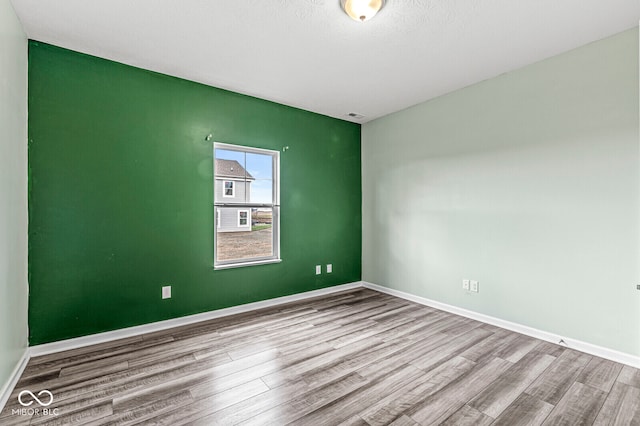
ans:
(352, 358)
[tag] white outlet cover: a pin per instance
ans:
(329, 268)
(166, 292)
(318, 269)
(465, 284)
(474, 286)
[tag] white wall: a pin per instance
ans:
(13, 192)
(527, 182)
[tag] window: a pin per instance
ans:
(246, 205)
(243, 218)
(229, 188)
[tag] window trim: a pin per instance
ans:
(274, 205)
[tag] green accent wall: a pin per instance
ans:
(121, 196)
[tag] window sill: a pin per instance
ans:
(243, 264)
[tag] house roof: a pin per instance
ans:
(231, 168)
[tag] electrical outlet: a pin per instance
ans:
(465, 284)
(329, 268)
(473, 286)
(166, 292)
(318, 269)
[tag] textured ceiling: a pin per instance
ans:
(309, 54)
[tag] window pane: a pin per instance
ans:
(243, 218)
(259, 177)
(228, 188)
(231, 176)
(244, 233)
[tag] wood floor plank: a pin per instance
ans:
(526, 410)
(420, 348)
(464, 326)
(92, 370)
(388, 381)
(357, 357)
(438, 407)
(468, 416)
(502, 392)
(622, 407)
(346, 365)
(388, 409)
(253, 406)
(579, 406)
(306, 403)
(326, 358)
(64, 356)
(560, 375)
(490, 347)
(81, 417)
(451, 349)
(76, 357)
(352, 421)
(259, 370)
(383, 307)
(402, 310)
(369, 332)
(161, 405)
(67, 388)
(552, 349)
(412, 329)
(600, 373)
(322, 335)
(404, 420)
(629, 376)
(518, 348)
(198, 412)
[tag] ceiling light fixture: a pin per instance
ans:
(361, 10)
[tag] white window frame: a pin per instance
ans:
(224, 189)
(248, 206)
(248, 212)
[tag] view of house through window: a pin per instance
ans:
(247, 207)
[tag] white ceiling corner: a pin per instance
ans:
(310, 55)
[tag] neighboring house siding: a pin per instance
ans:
(240, 189)
(232, 171)
(228, 220)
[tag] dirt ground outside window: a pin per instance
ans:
(244, 245)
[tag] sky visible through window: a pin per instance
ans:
(259, 166)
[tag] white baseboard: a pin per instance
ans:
(48, 348)
(613, 355)
(78, 342)
(6, 390)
